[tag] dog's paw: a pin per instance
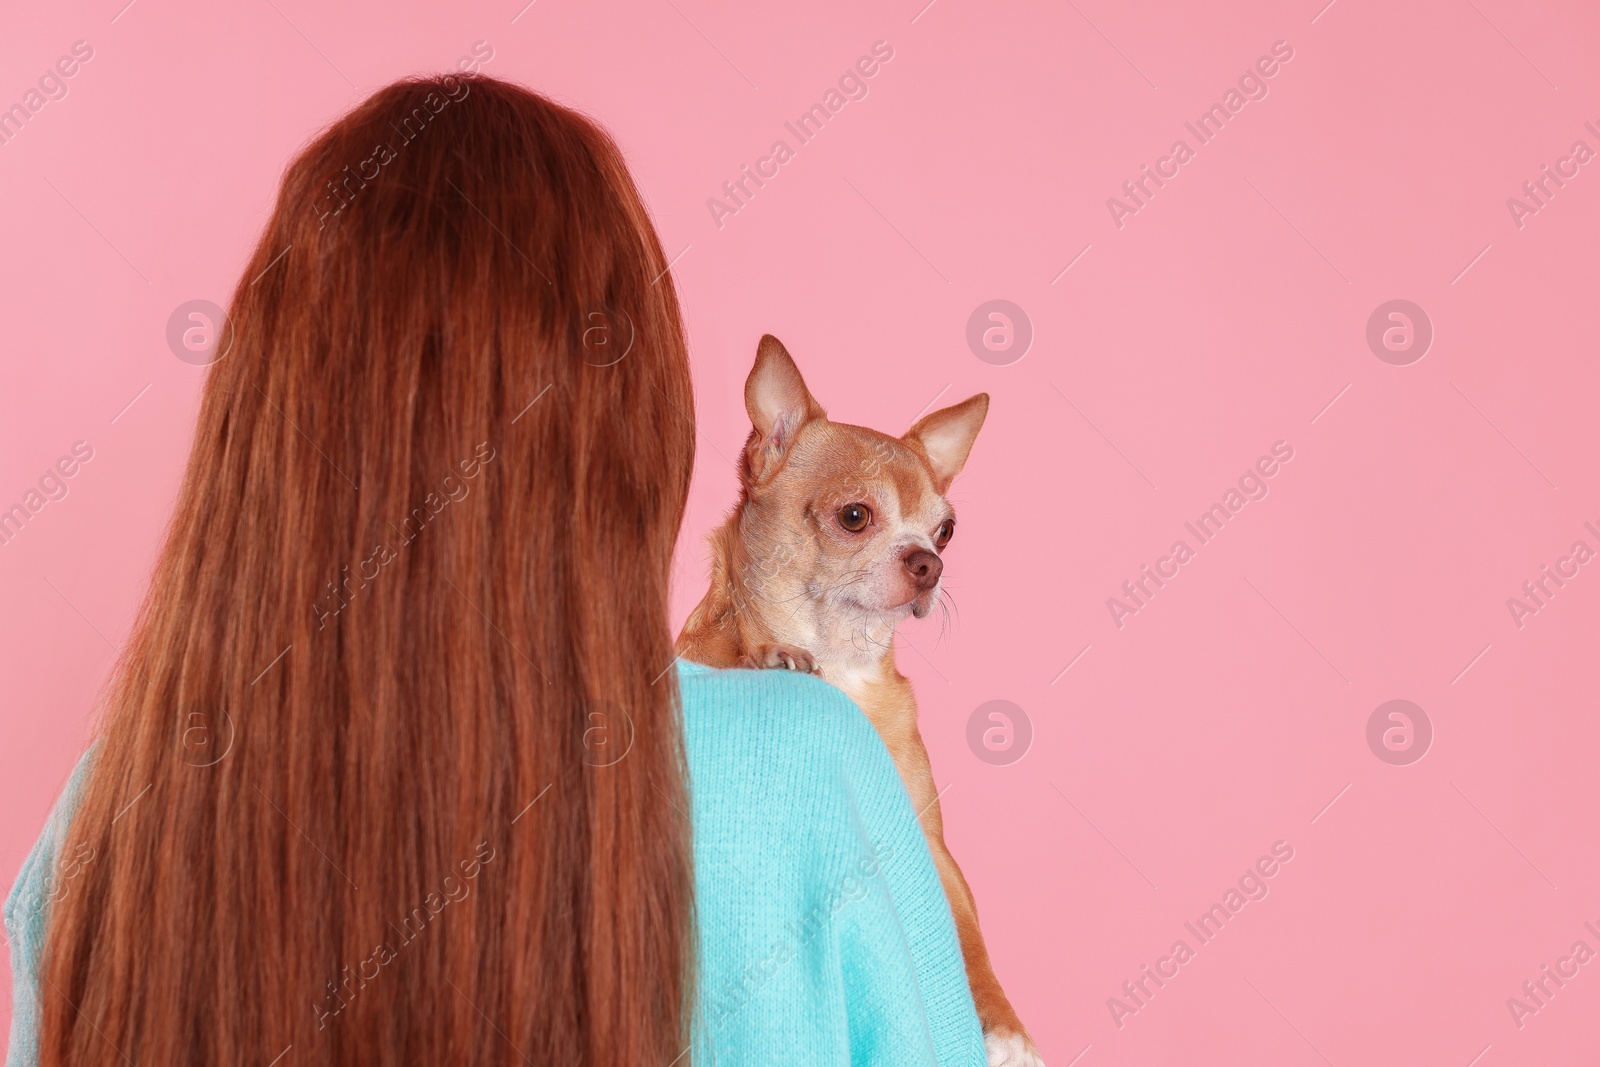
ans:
(1011, 1049)
(780, 657)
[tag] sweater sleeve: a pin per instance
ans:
(825, 935)
(45, 876)
(903, 944)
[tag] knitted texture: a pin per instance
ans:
(824, 934)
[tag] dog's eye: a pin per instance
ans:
(855, 517)
(946, 530)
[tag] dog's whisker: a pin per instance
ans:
(949, 611)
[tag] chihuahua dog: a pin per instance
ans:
(836, 537)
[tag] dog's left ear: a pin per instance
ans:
(946, 437)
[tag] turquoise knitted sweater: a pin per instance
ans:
(825, 938)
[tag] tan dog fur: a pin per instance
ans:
(792, 587)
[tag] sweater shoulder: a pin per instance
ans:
(790, 710)
(784, 736)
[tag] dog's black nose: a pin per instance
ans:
(924, 567)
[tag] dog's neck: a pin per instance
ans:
(851, 649)
(844, 647)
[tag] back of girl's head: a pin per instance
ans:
(406, 791)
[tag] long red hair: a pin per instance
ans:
(391, 769)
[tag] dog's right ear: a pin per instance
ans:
(779, 404)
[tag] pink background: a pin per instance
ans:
(1224, 316)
